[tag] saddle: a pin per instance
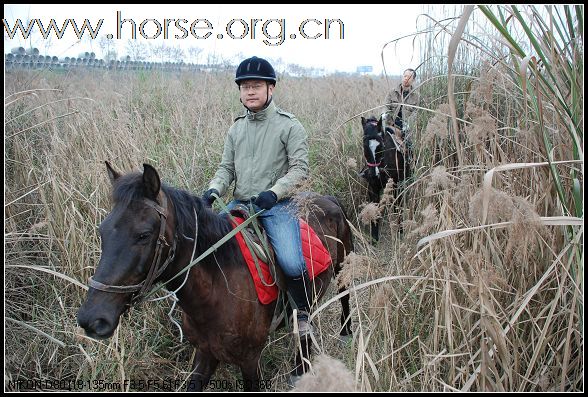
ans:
(260, 250)
(259, 255)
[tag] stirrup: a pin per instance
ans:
(305, 327)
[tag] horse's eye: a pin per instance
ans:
(144, 236)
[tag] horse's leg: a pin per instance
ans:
(345, 314)
(202, 369)
(344, 247)
(250, 373)
(374, 197)
(303, 353)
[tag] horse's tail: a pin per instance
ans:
(344, 233)
(346, 236)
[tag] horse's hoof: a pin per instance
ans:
(345, 340)
(292, 379)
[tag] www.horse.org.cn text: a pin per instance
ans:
(272, 32)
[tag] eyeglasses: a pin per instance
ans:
(254, 87)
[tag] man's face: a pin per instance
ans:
(255, 93)
(407, 78)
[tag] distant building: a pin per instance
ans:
(365, 69)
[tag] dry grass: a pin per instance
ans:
(327, 375)
(496, 303)
(60, 128)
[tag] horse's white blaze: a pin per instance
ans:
(373, 146)
(374, 143)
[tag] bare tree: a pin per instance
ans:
(212, 59)
(299, 70)
(136, 50)
(111, 55)
(278, 65)
(194, 53)
(228, 61)
(107, 47)
(160, 51)
(176, 54)
(47, 43)
(295, 69)
(240, 57)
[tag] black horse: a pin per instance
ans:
(385, 160)
(150, 236)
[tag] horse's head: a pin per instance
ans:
(372, 143)
(135, 250)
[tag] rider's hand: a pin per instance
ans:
(266, 200)
(208, 198)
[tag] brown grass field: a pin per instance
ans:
(483, 290)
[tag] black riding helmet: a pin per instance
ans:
(257, 69)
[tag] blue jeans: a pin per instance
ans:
(283, 230)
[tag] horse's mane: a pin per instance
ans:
(212, 226)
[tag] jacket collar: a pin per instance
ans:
(262, 114)
(399, 88)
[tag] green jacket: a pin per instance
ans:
(395, 99)
(267, 150)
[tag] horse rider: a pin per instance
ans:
(266, 155)
(399, 116)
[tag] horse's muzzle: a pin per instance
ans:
(99, 318)
(98, 329)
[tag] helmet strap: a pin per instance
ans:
(267, 96)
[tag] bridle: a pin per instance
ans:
(375, 164)
(156, 268)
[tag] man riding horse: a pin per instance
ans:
(387, 143)
(266, 155)
(399, 116)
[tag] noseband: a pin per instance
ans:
(156, 268)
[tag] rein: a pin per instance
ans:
(156, 268)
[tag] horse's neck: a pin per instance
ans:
(211, 228)
(389, 147)
(192, 283)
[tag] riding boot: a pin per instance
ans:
(300, 290)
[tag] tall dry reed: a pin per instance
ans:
(481, 289)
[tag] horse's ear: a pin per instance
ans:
(380, 125)
(363, 121)
(151, 181)
(113, 175)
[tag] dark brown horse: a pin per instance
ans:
(149, 237)
(384, 161)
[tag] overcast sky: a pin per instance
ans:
(295, 33)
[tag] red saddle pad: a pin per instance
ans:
(317, 259)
